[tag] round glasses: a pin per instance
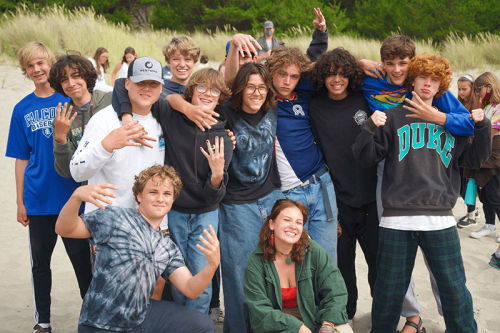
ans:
(250, 89)
(203, 89)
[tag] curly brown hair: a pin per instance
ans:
(77, 63)
(298, 252)
(397, 46)
(240, 83)
(161, 173)
(287, 56)
(432, 65)
(332, 61)
(208, 77)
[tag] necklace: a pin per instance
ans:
(288, 260)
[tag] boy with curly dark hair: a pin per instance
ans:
(419, 190)
(336, 115)
(75, 77)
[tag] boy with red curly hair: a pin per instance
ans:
(419, 189)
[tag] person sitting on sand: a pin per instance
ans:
(419, 190)
(133, 253)
(291, 283)
(101, 64)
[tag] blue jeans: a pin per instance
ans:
(185, 230)
(324, 232)
(240, 225)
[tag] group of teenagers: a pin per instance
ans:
(288, 163)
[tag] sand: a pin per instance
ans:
(16, 308)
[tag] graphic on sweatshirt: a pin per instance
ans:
(252, 157)
(415, 136)
(389, 98)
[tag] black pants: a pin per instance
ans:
(43, 238)
(359, 224)
(489, 195)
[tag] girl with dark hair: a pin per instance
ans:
(101, 64)
(122, 66)
(291, 283)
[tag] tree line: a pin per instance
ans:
(421, 19)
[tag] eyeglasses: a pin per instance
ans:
(250, 89)
(203, 89)
(478, 89)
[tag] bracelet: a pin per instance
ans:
(328, 327)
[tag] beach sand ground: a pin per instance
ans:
(16, 309)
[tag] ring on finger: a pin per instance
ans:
(253, 40)
(380, 65)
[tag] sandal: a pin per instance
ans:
(418, 327)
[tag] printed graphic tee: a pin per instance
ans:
(30, 138)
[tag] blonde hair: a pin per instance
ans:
(470, 103)
(490, 79)
(34, 50)
(185, 45)
(161, 173)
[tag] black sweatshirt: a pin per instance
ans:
(183, 140)
(335, 126)
(421, 174)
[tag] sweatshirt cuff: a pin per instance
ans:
(370, 125)
(482, 123)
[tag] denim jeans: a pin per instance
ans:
(324, 232)
(240, 225)
(185, 230)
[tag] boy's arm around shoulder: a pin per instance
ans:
(457, 116)
(372, 144)
(263, 316)
(475, 154)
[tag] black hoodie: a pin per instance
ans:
(183, 140)
(421, 175)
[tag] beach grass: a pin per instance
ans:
(82, 30)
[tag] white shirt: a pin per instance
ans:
(93, 163)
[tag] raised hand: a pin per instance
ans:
(211, 249)
(216, 161)
(372, 68)
(320, 22)
(379, 118)
(245, 43)
(424, 111)
(126, 119)
(122, 136)
(62, 123)
(92, 193)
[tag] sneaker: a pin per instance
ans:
(351, 323)
(484, 231)
(216, 315)
(495, 262)
(465, 222)
(39, 329)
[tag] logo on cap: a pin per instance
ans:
(148, 64)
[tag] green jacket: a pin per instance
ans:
(64, 153)
(321, 293)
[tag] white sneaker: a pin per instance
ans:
(484, 231)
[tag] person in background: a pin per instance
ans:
(313, 294)
(267, 42)
(41, 191)
(122, 66)
(101, 64)
(181, 53)
(487, 87)
(203, 62)
(469, 99)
